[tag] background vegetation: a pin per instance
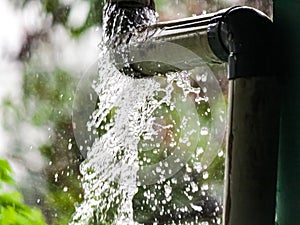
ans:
(12, 208)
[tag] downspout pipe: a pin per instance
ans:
(254, 110)
(242, 37)
(253, 128)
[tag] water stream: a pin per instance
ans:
(123, 114)
(158, 149)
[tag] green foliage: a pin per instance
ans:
(5, 173)
(12, 209)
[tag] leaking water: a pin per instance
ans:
(141, 127)
(111, 165)
(154, 161)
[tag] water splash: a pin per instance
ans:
(111, 165)
(146, 166)
(141, 125)
(124, 115)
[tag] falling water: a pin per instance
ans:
(141, 123)
(132, 117)
(111, 165)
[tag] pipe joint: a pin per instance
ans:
(242, 36)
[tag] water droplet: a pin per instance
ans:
(221, 118)
(174, 180)
(204, 77)
(220, 153)
(199, 151)
(186, 177)
(158, 169)
(198, 167)
(55, 177)
(205, 175)
(194, 187)
(188, 169)
(204, 187)
(69, 146)
(197, 207)
(168, 190)
(204, 131)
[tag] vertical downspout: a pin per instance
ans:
(287, 23)
(253, 128)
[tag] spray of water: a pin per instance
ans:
(123, 113)
(147, 165)
(136, 152)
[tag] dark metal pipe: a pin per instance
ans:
(232, 35)
(189, 34)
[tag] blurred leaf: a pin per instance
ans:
(12, 209)
(5, 172)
